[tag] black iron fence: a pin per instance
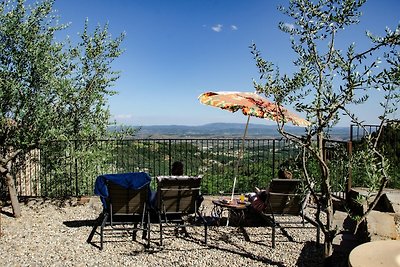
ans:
(337, 155)
(70, 168)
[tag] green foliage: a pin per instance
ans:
(328, 82)
(44, 81)
(29, 62)
(70, 168)
(89, 77)
(389, 141)
(50, 90)
(364, 174)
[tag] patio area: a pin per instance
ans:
(54, 233)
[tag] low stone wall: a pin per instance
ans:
(384, 221)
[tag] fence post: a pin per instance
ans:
(273, 158)
(351, 132)
(349, 179)
(76, 169)
(169, 156)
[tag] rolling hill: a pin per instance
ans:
(225, 130)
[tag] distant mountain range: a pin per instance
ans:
(226, 130)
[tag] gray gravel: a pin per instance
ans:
(54, 234)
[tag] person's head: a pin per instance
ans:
(177, 168)
(284, 174)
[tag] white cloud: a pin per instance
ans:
(217, 28)
(234, 27)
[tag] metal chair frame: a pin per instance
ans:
(124, 207)
(283, 200)
(177, 197)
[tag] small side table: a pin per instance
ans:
(235, 206)
(385, 253)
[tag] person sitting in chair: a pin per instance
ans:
(258, 198)
(177, 168)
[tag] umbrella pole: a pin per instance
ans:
(241, 151)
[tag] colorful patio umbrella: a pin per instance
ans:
(251, 104)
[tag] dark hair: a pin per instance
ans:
(177, 168)
(262, 195)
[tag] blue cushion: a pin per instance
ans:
(133, 180)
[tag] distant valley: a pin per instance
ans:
(226, 130)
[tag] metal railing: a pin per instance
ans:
(69, 168)
(337, 155)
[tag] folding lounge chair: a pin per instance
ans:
(177, 198)
(125, 199)
(286, 199)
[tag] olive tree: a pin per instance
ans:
(49, 89)
(328, 82)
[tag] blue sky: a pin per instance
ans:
(177, 49)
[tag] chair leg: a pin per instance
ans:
(205, 233)
(102, 230)
(205, 227)
(161, 230)
(148, 230)
(144, 227)
(134, 231)
(273, 234)
(183, 229)
(97, 224)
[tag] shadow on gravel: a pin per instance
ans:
(79, 223)
(9, 214)
(249, 255)
(311, 255)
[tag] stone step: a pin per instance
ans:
(381, 226)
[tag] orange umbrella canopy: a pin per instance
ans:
(251, 104)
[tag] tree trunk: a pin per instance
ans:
(326, 199)
(328, 251)
(13, 194)
(1, 209)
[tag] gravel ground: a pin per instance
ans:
(54, 233)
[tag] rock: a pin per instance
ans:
(381, 226)
(95, 204)
(393, 197)
(83, 200)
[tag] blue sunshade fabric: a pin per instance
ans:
(132, 180)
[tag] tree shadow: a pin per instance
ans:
(246, 254)
(311, 255)
(236, 249)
